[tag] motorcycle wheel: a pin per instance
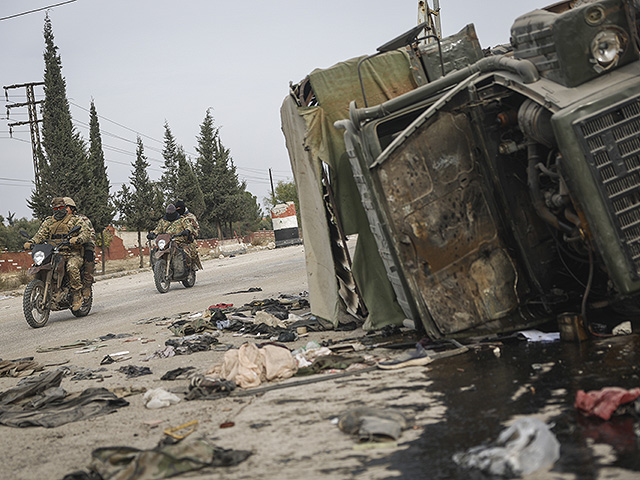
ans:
(159, 276)
(86, 306)
(35, 315)
(190, 281)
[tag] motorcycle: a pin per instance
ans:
(171, 263)
(50, 289)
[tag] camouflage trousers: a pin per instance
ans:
(192, 251)
(74, 263)
(89, 267)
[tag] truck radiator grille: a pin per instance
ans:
(611, 141)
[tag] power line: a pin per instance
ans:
(15, 180)
(119, 124)
(36, 10)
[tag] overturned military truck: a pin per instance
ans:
(490, 190)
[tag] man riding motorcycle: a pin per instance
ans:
(89, 250)
(173, 223)
(192, 247)
(53, 229)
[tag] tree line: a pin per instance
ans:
(71, 166)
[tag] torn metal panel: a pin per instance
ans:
(446, 236)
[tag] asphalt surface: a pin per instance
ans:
(456, 403)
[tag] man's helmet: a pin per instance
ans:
(68, 201)
(58, 202)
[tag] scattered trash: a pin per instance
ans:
(227, 425)
(220, 306)
(202, 387)
(122, 392)
(162, 461)
(19, 368)
(572, 327)
(193, 343)
(250, 290)
(40, 401)
(622, 329)
(183, 431)
(166, 352)
(133, 371)
(329, 362)
(115, 357)
(153, 423)
(249, 366)
(372, 424)
(538, 336)
(269, 319)
(159, 398)
(603, 403)
(419, 356)
(410, 324)
(79, 343)
(523, 448)
(177, 372)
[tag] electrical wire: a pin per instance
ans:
(36, 10)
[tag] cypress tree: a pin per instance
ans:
(207, 174)
(64, 168)
(100, 210)
(218, 179)
(140, 205)
(188, 187)
(169, 178)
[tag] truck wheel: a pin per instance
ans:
(159, 276)
(190, 281)
(35, 314)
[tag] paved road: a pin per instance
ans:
(119, 301)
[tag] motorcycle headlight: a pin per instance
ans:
(606, 48)
(162, 244)
(38, 257)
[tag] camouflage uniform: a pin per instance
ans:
(174, 227)
(53, 230)
(192, 247)
(89, 250)
(89, 256)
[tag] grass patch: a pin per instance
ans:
(261, 241)
(14, 280)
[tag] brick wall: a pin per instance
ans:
(16, 261)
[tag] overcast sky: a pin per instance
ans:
(145, 62)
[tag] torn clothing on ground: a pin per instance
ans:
(42, 402)
(249, 365)
(163, 461)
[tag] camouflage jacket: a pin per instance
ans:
(92, 238)
(195, 231)
(177, 226)
(52, 229)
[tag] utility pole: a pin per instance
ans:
(273, 192)
(33, 121)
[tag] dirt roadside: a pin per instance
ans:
(290, 432)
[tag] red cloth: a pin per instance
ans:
(602, 403)
(221, 306)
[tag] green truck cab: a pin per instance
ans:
(503, 187)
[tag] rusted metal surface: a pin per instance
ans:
(447, 237)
